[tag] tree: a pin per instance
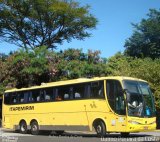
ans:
(73, 63)
(32, 67)
(145, 40)
(30, 24)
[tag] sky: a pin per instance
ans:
(113, 28)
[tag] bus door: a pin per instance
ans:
(116, 100)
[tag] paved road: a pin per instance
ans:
(78, 137)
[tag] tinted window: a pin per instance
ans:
(67, 92)
(115, 96)
(7, 98)
(97, 89)
(49, 94)
(22, 97)
(26, 96)
(14, 98)
(79, 91)
(64, 93)
(34, 96)
(70, 92)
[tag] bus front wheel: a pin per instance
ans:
(100, 128)
(34, 128)
(23, 127)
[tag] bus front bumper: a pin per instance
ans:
(141, 128)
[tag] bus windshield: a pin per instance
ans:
(140, 101)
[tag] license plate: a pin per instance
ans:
(145, 128)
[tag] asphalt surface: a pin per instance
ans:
(79, 137)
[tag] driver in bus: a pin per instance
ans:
(135, 108)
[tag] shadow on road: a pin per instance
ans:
(81, 134)
(88, 135)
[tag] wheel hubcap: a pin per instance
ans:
(99, 129)
(23, 128)
(34, 128)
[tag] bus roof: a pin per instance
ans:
(73, 81)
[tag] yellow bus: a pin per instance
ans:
(101, 104)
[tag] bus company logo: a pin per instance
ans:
(21, 108)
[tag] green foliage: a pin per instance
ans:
(34, 23)
(32, 67)
(145, 40)
(23, 68)
(2, 89)
(118, 65)
(74, 64)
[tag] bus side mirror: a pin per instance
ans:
(125, 91)
(127, 94)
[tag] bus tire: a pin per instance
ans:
(23, 127)
(100, 128)
(34, 128)
(125, 134)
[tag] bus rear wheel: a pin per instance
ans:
(23, 127)
(34, 128)
(100, 128)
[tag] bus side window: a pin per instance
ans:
(64, 93)
(71, 93)
(42, 95)
(78, 91)
(87, 91)
(21, 97)
(26, 96)
(48, 93)
(38, 94)
(101, 90)
(97, 90)
(7, 97)
(35, 96)
(55, 93)
(14, 98)
(58, 94)
(30, 98)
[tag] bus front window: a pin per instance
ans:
(140, 101)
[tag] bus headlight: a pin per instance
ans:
(133, 122)
(153, 122)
